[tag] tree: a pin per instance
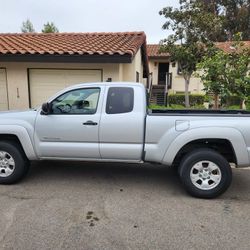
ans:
(237, 72)
(27, 27)
(194, 30)
(235, 15)
(50, 28)
(226, 73)
(211, 71)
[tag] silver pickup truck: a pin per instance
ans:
(110, 122)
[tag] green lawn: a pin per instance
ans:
(174, 106)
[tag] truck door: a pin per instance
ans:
(71, 128)
(122, 123)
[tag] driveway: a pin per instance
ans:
(119, 206)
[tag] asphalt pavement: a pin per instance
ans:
(65, 205)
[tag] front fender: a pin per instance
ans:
(23, 137)
(230, 134)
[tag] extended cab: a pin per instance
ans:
(111, 122)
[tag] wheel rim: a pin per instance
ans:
(7, 164)
(205, 175)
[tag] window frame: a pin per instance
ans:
(50, 103)
(137, 76)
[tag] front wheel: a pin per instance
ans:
(205, 173)
(13, 163)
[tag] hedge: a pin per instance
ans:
(194, 99)
(230, 100)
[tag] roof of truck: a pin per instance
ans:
(99, 84)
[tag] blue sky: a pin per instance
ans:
(87, 15)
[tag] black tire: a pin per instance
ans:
(21, 162)
(206, 154)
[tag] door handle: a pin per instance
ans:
(91, 123)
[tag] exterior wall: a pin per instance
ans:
(178, 84)
(17, 78)
(129, 69)
(154, 71)
(18, 82)
(3, 90)
(120, 78)
(139, 66)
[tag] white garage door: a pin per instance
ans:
(46, 82)
(3, 90)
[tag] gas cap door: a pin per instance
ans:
(181, 125)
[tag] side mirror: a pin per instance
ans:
(45, 108)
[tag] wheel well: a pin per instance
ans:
(12, 138)
(222, 146)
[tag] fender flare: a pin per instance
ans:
(233, 135)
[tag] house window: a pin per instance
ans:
(137, 76)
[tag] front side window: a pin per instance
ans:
(79, 101)
(120, 100)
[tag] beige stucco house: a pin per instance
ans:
(34, 66)
(161, 68)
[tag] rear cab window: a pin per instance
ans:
(120, 100)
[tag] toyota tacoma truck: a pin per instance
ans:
(110, 122)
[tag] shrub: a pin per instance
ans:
(208, 98)
(233, 107)
(199, 106)
(173, 106)
(194, 99)
(230, 100)
(176, 99)
(154, 106)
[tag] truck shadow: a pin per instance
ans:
(121, 175)
(109, 173)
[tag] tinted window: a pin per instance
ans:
(79, 101)
(120, 100)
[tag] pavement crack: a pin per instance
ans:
(23, 197)
(18, 197)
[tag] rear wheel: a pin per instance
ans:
(13, 163)
(205, 173)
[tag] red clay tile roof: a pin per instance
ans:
(153, 51)
(121, 43)
(227, 46)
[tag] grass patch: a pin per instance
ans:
(175, 106)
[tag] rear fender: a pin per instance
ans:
(230, 134)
